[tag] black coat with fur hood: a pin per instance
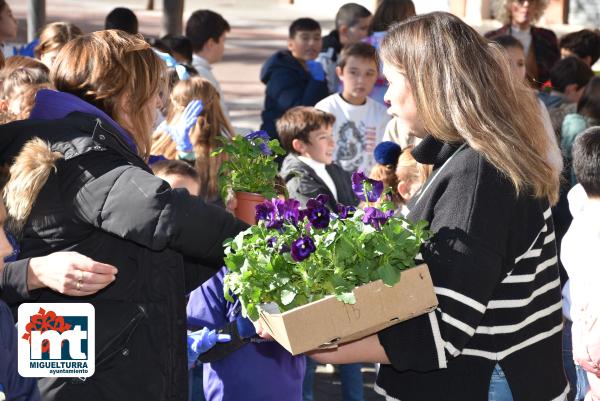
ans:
(80, 187)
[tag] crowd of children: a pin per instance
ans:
(326, 102)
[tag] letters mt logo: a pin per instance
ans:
(56, 340)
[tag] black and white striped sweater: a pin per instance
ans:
(494, 267)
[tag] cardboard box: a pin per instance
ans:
(328, 322)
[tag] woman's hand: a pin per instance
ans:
(69, 273)
(261, 331)
(367, 349)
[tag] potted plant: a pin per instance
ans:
(249, 171)
(294, 256)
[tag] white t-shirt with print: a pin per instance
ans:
(357, 130)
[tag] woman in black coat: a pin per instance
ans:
(80, 183)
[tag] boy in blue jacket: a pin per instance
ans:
(293, 77)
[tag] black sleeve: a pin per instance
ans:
(13, 283)
(135, 205)
(303, 187)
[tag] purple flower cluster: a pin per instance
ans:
(365, 188)
(260, 139)
(345, 212)
(375, 217)
(277, 212)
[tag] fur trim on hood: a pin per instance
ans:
(28, 175)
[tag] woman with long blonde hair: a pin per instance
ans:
(206, 135)
(496, 333)
(79, 182)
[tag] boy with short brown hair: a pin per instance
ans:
(308, 170)
(360, 121)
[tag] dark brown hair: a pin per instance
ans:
(589, 103)
(204, 25)
(174, 167)
(299, 122)
(360, 50)
(586, 161)
(389, 12)
(583, 43)
(303, 24)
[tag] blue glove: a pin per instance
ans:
(180, 132)
(26, 50)
(315, 69)
(201, 341)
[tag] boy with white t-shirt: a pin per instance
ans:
(359, 120)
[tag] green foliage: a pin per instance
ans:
(349, 253)
(249, 166)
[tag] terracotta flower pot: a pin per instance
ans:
(246, 206)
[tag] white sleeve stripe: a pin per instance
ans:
(496, 356)
(532, 253)
(511, 328)
(383, 393)
(543, 230)
(547, 213)
(457, 296)
(452, 349)
(458, 324)
(439, 343)
(525, 278)
(518, 303)
(549, 238)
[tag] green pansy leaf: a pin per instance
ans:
(287, 297)
(347, 298)
(389, 274)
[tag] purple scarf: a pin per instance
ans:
(54, 105)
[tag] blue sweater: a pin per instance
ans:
(14, 387)
(288, 84)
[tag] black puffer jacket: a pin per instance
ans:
(104, 202)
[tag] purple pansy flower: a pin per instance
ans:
(271, 242)
(263, 144)
(345, 212)
(317, 213)
(374, 188)
(276, 211)
(375, 217)
(288, 209)
(302, 248)
(284, 248)
(268, 212)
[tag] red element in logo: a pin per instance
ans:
(45, 321)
